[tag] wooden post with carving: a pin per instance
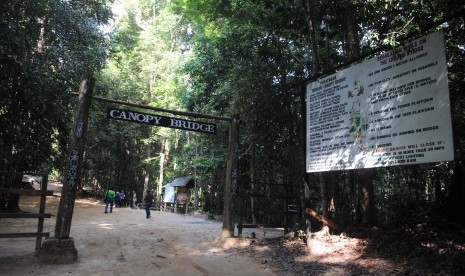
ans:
(61, 249)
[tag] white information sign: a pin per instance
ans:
(392, 109)
(169, 194)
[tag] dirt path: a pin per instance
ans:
(126, 243)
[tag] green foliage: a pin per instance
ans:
(45, 48)
(146, 53)
(210, 216)
(252, 65)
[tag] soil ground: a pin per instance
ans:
(126, 243)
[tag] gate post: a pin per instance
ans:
(61, 249)
(232, 175)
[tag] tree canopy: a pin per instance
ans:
(46, 46)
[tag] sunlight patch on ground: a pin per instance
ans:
(106, 226)
(333, 251)
(88, 202)
(214, 250)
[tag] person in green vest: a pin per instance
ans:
(109, 198)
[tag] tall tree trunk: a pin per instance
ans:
(455, 202)
(252, 187)
(196, 187)
(12, 204)
(353, 48)
(367, 206)
(367, 200)
(354, 194)
(311, 33)
(147, 172)
(335, 204)
(324, 192)
(315, 70)
(165, 150)
(218, 196)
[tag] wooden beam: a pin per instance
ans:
(176, 112)
(24, 235)
(24, 215)
(27, 192)
(260, 226)
(323, 219)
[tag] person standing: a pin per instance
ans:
(122, 197)
(117, 199)
(148, 203)
(109, 197)
(134, 200)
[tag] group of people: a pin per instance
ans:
(115, 199)
(112, 197)
(119, 198)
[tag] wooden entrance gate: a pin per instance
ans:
(12, 185)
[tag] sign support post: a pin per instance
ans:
(231, 185)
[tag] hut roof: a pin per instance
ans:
(185, 181)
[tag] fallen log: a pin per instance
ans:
(323, 219)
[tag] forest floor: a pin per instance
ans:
(126, 243)
(419, 250)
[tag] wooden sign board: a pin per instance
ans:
(152, 119)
